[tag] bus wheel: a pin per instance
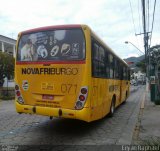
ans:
(51, 117)
(112, 108)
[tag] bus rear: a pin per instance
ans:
(52, 72)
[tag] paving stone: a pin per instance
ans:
(26, 129)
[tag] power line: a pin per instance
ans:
(153, 21)
(132, 16)
(139, 16)
(133, 20)
(147, 14)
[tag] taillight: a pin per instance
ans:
(79, 105)
(20, 100)
(16, 87)
(18, 95)
(82, 97)
(83, 90)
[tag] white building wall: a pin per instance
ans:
(9, 83)
(7, 45)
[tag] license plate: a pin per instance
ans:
(47, 97)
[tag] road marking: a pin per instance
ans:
(143, 100)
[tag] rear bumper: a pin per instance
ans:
(83, 114)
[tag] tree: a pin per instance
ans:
(6, 67)
(141, 65)
(155, 55)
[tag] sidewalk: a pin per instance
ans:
(147, 129)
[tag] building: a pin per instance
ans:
(7, 45)
(138, 78)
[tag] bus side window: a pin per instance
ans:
(98, 60)
(101, 62)
(124, 73)
(95, 57)
(111, 64)
(121, 71)
(117, 75)
(107, 65)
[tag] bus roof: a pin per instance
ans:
(52, 27)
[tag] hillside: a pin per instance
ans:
(132, 61)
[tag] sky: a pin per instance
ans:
(114, 21)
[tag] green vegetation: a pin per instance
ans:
(6, 67)
(141, 65)
(7, 94)
(7, 97)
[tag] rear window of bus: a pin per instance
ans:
(56, 45)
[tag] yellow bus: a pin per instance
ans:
(67, 71)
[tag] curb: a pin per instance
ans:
(138, 125)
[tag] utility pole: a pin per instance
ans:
(146, 37)
(144, 27)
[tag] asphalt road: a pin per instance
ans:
(27, 129)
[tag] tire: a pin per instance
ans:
(112, 108)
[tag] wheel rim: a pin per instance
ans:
(112, 108)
